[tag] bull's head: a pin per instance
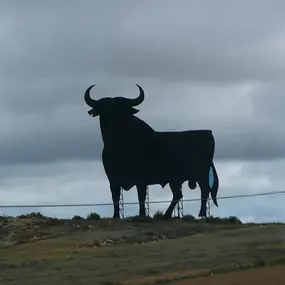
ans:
(117, 105)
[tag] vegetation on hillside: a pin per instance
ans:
(35, 249)
(158, 215)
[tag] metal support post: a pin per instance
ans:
(121, 204)
(179, 209)
(147, 201)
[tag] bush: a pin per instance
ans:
(77, 218)
(189, 218)
(142, 219)
(3, 219)
(31, 215)
(93, 216)
(55, 221)
(227, 220)
(158, 215)
(234, 220)
(214, 220)
(38, 218)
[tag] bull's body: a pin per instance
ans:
(160, 158)
(136, 155)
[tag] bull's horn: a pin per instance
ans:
(139, 99)
(88, 100)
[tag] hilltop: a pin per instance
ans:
(40, 250)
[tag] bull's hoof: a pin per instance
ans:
(167, 217)
(142, 213)
(116, 217)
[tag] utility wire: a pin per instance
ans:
(135, 203)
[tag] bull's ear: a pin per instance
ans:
(134, 111)
(125, 109)
(130, 110)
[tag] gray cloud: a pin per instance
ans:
(50, 56)
(246, 125)
(193, 41)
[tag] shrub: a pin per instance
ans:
(31, 215)
(158, 215)
(38, 218)
(227, 220)
(189, 218)
(77, 218)
(214, 220)
(234, 220)
(3, 219)
(93, 216)
(55, 221)
(142, 219)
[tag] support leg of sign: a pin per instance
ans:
(209, 208)
(180, 208)
(147, 201)
(121, 204)
(178, 211)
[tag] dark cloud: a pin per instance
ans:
(190, 53)
(190, 41)
(245, 124)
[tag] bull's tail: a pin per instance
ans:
(215, 183)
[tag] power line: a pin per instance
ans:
(135, 203)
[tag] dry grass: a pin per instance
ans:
(256, 276)
(158, 250)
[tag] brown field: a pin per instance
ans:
(44, 251)
(260, 276)
(256, 276)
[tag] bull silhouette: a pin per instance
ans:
(134, 154)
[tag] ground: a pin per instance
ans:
(45, 251)
(263, 276)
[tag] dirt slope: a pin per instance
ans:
(261, 276)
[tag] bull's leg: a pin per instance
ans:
(177, 195)
(142, 196)
(116, 191)
(205, 191)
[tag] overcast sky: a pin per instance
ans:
(218, 65)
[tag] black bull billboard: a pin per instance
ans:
(134, 154)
